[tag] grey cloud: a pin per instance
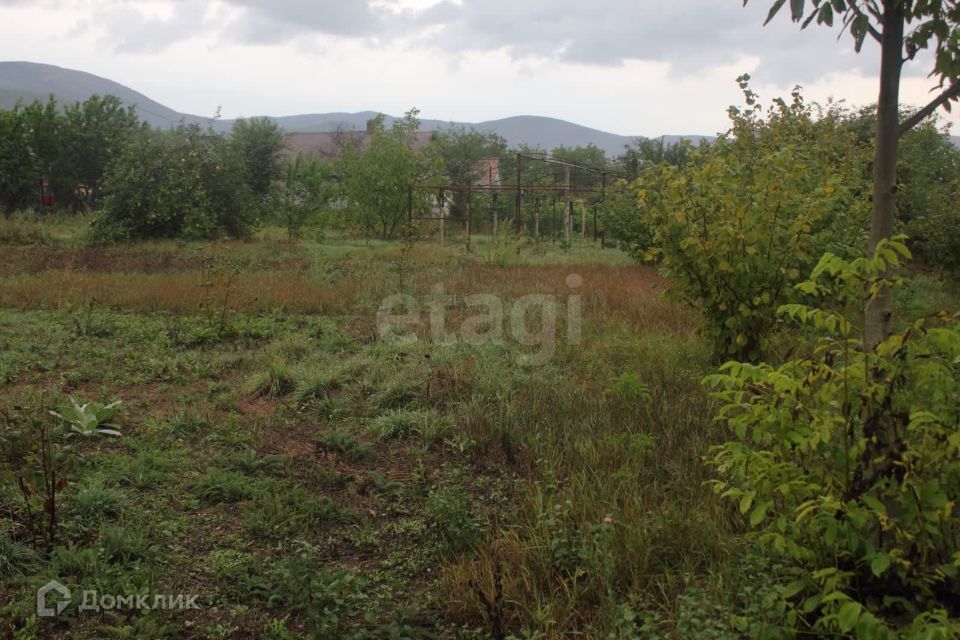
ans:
(691, 35)
(271, 21)
(130, 31)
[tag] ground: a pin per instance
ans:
(305, 474)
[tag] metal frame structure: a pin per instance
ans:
(520, 190)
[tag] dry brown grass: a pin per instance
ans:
(179, 292)
(631, 295)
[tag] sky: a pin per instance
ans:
(632, 67)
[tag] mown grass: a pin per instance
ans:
(307, 478)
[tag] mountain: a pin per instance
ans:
(29, 81)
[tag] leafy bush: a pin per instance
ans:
(745, 217)
(847, 463)
(182, 183)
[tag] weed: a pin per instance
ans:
(90, 504)
(283, 512)
(341, 443)
(217, 486)
(248, 462)
(146, 470)
(451, 512)
(319, 386)
(124, 545)
(318, 598)
(186, 423)
(39, 455)
(276, 382)
(401, 424)
(16, 560)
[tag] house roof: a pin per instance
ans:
(328, 144)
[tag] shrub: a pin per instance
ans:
(740, 223)
(847, 464)
(182, 183)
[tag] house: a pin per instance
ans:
(486, 172)
(329, 144)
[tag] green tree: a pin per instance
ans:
(740, 223)
(590, 156)
(644, 152)
(306, 189)
(461, 150)
(259, 143)
(92, 134)
(19, 182)
(183, 183)
(933, 24)
(376, 179)
(42, 130)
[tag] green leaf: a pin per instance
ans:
(793, 588)
(848, 616)
(796, 9)
(746, 501)
(774, 10)
(759, 512)
(880, 564)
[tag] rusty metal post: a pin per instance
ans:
(555, 228)
(493, 206)
(595, 205)
(469, 215)
(603, 202)
(536, 219)
(410, 203)
(519, 195)
(567, 206)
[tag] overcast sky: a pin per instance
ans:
(634, 67)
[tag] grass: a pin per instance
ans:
(306, 478)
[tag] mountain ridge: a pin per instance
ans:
(27, 81)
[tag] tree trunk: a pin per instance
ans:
(879, 311)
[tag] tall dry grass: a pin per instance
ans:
(178, 292)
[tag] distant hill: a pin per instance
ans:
(29, 81)
(955, 140)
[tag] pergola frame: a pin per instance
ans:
(519, 189)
